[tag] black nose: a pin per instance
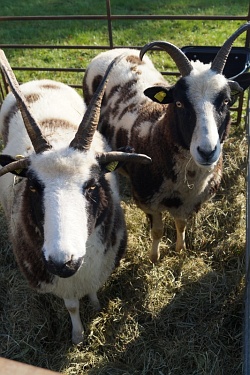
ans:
(63, 270)
(207, 155)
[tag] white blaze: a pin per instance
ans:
(203, 87)
(63, 174)
(65, 224)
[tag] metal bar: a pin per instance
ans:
(246, 334)
(123, 17)
(52, 46)
(110, 30)
(246, 348)
(74, 70)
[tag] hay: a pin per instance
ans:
(181, 316)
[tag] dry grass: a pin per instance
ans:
(181, 316)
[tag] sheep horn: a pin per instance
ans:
(108, 157)
(38, 141)
(88, 125)
(14, 166)
(222, 55)
(181, 60)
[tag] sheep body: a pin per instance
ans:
(66, 206)
(184, 137)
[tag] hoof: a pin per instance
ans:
(154, 257)
(77, 337)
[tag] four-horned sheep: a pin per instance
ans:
(62, 204)
(181, 127)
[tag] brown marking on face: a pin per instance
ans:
(27, 244)
(32, 98)
(6, 121)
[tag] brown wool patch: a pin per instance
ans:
(32, 98)
(132, 108)
(6, 121)
(56, 123)
(121, 138)
(113, 91)
(134, 60)
(50, 86)
(108, 131)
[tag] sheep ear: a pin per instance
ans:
(160, 94)
(235, 89)
(8, 159)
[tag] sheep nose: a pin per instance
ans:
(207, 155)
(63, 270)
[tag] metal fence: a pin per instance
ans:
(109, 18)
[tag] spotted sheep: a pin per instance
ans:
(63, 208)
(181, 127)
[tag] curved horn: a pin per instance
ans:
(88, 125)
(222, 55)
(181, 60)
(14, 166)
(107, 157)
(38, 141)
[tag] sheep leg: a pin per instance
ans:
(156, 234)
(72, 306)
(94, 301)
(180, 226)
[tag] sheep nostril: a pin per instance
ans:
(206, 154)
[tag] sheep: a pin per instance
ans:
(62, 205)
(181, 127)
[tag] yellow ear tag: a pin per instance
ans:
(160, 96)
(18, 171)
(112, 166)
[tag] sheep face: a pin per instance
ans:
(201, 103)
(68, 194)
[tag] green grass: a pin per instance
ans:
(125, 33)
(182, 316)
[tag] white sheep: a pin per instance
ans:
(63, 208)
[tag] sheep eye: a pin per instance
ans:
(90, 185)
(32, 189)
(226, 101)
(179, 104)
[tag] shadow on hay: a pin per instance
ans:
(197, 329)
(199, 332)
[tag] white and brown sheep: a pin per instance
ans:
(63, 208)
(181, 127)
